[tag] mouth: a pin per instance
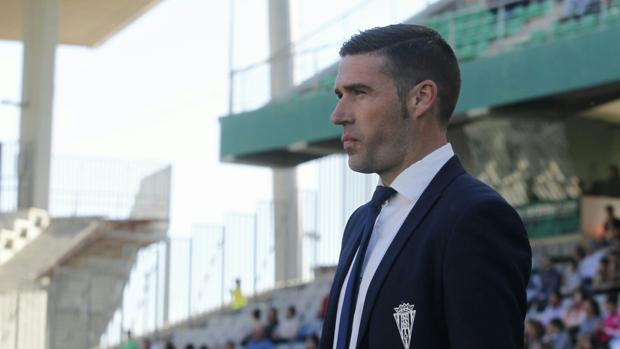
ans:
(347, 140)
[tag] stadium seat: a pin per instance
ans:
(514, 26)
(613, 16)
(534, 10)
(538, 37)
(565, 29)
(519, 12)
(588, 23)
(482, 46)
(466, 53)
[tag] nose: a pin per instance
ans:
(340, 115)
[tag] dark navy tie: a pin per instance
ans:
(350, 297)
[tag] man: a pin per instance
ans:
(612, 223)
(238, 300)
(437, 259)
(129, 343)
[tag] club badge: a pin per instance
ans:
(404, 316)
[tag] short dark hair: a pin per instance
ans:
(256, 313)
(557, 323)
(414, 53)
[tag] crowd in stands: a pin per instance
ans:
(266, 332)
(572, 304)
(573, 300)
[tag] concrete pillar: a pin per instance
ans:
(167, 283)
(40, 35)
(287, 239)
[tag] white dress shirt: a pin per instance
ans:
(409, 186)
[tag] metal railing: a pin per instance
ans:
(472, 31)
(318, 49)
(83, 187)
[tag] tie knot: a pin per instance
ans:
(380, 195)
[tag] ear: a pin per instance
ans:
(421, 98)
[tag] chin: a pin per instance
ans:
(359, 166)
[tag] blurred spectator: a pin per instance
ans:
(604, 277)
(288, 329)
(553, 310)
(255, 323)
(238, 300)
(129, 343)
(204, 346)
(147, 344)
(230, 345)
(313, 327)
(611, 321)
(576, 312)
(324, 304)
(589, 265)
(312, 342)
(571, 281)
(169, 345)
(584, 341)
(534, 333)
(551, 278)
(557, 337)
(612, 223)
(272, 323)
(575, 8)
(550, 281)
(189, 346)
(260, 341)
(256, 319)
(591, 324)
(614, 260)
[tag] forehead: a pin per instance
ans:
(362, 68)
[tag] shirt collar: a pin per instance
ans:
(412, 181)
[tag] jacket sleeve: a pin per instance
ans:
(487, 263)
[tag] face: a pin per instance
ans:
(376, 135)
(610, 308)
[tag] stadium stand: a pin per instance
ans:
(216, 328)
(477, 34)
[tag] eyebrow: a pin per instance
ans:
(352, 87)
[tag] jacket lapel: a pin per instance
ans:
(354, 232)
(445, 176)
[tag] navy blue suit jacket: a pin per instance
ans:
(462, 258)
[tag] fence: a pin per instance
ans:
(84, 187)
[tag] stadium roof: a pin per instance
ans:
(82, 22)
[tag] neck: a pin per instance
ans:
(417, 152)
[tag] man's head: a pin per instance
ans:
(397, 88)
(291, 312)
(610, 211)
(556, 325)
(256, 314)
(611, 304)
(412, 54)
